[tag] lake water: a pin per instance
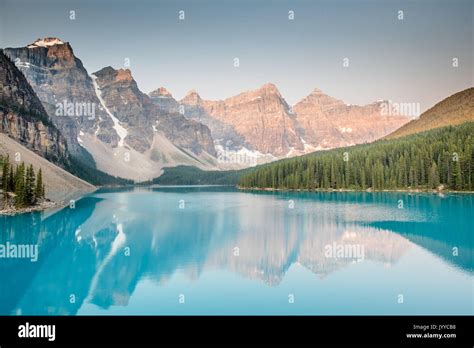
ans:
(215, 250)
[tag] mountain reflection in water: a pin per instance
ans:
(241, 253)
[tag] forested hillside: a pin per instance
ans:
(443, 156)
(187, 175)
(452, 111)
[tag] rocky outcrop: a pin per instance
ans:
(124, 100)
(191, 106)
(262, 117)
(65, 90)
(23, 118)
(327, 122)
(261, 120)
(164, 100)
(107, 115)
(142, 117)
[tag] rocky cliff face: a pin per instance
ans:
(106, 115)
(328, 123)
(23, 118)
(191, 106)
(142, 117)
(262, 121)
(262, 117)
(65, 90)
(164, 100)
(122, 98)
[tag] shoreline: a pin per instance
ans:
(271, 189)
(48, 206)
(52, 206)
(11, 211)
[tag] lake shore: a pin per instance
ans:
(10, 211)
(271, 189)
(47, 205)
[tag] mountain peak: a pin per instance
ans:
(316, 91)
(114, 74)
(124, 75)
(161, 92)
(192, 92)
(192, 98)
(318, 97)
(270, 88)
(46, 42)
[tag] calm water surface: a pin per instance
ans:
(214, 250)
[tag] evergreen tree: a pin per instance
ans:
(20, 186)
(472, 168)
(5, 174)
(433, 180)
(11, 180)
(456, 178)
(39, 189)
(29, 198)
(423, 160)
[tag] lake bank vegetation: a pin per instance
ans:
(22, 189)
(440, 159)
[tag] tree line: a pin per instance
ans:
(21, 182)
(443, 156)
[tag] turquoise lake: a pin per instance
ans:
(216, 250)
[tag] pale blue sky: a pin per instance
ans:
(405, 61)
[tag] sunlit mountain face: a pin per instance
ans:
(343, 129)
(228, 252)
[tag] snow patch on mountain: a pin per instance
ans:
(47, 42)
(121, 131)
(242, 157)
(79, 138)
(308, 147)
(128, 163)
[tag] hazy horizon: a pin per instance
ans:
(407, 60)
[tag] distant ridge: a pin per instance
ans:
(454, 110)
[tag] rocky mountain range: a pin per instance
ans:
(106, 119)
(59, 78)
(262, 123)
(141, 118)
(23, 118)
(107, 116)
(261, 117)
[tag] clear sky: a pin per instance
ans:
(407, 60)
